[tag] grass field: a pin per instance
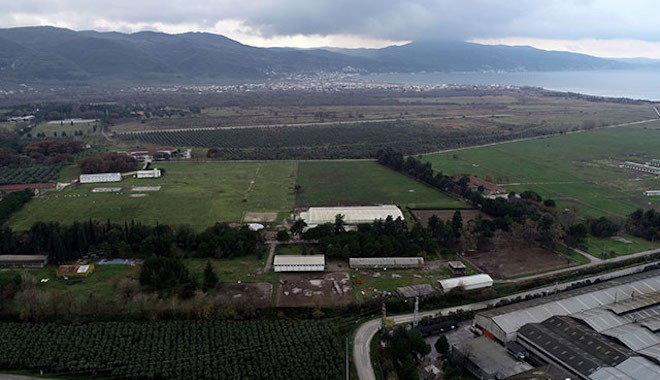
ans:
(577, 170)
(335, 183)
(606, 247)
(198, 194)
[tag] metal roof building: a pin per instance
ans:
(476, 281)
(299, 263)
(23, 261)
(634, 368)
(100, 177)
(386, 262)
(504, 322)
(352, 215)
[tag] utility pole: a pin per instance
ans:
(347, 370)
(416, 314)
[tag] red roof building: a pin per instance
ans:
(488, 187)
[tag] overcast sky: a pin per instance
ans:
(609, 28)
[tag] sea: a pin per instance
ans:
(634, 84)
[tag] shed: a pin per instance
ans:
(23, 261)
(152, 173)
(457, 267)
(75, 271)
(476, 281)
(299, 263)
(385, 262)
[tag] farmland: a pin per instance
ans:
(197, 194)
(578, 170)
(412, 124)
(29, 174)
(332, 183)
(176, 350)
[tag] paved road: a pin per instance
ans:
(366, 331)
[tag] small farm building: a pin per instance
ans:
(299, 263)
(75, 271)
(457, 267)
(352, 215)
(652, 193)
(476, 281)
(153, 173)
(385, 262)
(489, 188)
(23, 261)
(100, 177)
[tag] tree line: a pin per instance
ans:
(108, 162)
(64, 242)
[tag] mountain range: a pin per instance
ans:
(44, 55)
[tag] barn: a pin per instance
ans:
(23, 261)
(476, 281)
(352, 215)
(100, 177)
(299, 263)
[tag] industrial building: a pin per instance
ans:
(153, 173)
(385, 262)
(610, 330)
(100, 177)
(352, 215)
(23, 261)
(299, 263)
(504, 322)
(476, 281)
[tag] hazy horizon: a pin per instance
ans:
(574, 26)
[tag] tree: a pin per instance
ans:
(457, 224)
(441, 345)
(210, 279)
(298, 227)
(339, 224)
(283, 236)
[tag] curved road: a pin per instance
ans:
(365, 333)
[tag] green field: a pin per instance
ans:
(198, 194)
(577, 170)
(345, 183)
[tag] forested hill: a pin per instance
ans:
(35, 55)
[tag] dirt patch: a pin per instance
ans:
(256, 217)
(314, 289)
(511, 262)
(423, 215)
(257, 294)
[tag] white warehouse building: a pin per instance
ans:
(100, 177)
(476, 281)
(352, 215)
(153, 173)
(299, 263)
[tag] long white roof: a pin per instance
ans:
(299, 260)
(466, 281)
(352, 215)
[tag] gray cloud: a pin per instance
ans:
(385, 19)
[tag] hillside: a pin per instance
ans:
(41, 55)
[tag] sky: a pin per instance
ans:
(606, 28)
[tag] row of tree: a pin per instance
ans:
(108, 163)
(73, 241)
